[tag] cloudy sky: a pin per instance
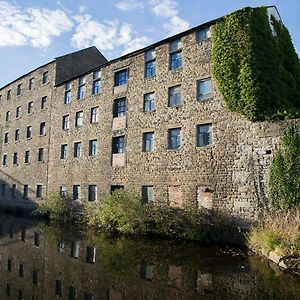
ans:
(33, 32)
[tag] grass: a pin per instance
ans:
(277, 231)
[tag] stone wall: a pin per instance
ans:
(229, 175)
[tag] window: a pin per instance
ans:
(88, 296)
(72, 293)
(3, 188)
(204, 89)
(43, 102)
(150, 63)
(41, 154)
(63, 191)
(146, 271)
(6, 137)
(79, 119)
(174, 96)
(26, 156)
(9, 265)
(121, 77)
(19, 89)
(92, 147)
(174, 139)
(77, 149)
(8, 290)
(147, 193)
(17, 135)
(13, 190)
(18, 112)
(118, 145)
(45, 78)
(21, 270)
(23, 232)
(63, 151)
(149, 102)
(94, 114)
(8, 96)
(204, 135)
(15, 158)
(4, 160)
(36, 239)
(92, 193)
(66, 122)
(175, 54)
(58, 288)
(67, 98)
(148, 141)
(28, 132)
(75, 250)
(25, 191)
(119, 107)
(90, 254)
(81, 88)
(31, 83)
(43, 128)
(30, 107)
(39, 191)
(34, 277)
(76, 192)
(116, 187)
(96, 82)
(7, 116)
(203, 34)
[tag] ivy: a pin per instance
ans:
(257, 73)
(284, 181)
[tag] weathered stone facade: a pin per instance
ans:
(228, 174)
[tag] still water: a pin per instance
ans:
(40, 261)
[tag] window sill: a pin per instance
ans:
(29, 138)
(41, 135)
(150, 77)
(176, 150)
(17, 141)
(29, 114)
(176, 106)
(40, 161)
(204, 99)
(149, 111)
(176, 70)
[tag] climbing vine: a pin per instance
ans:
(284, 181)
(258, 73)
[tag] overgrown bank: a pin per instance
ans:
(278, 233)
(124, 213)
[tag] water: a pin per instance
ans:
(38, 261)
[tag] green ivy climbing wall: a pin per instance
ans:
(257, 73)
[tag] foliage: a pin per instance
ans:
(58, 208)
(284, 181)
(278, 231)
(257, 73)
(124, 212)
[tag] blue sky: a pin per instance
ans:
(34, 32)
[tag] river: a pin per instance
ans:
(40, 261)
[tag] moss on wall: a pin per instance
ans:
(258, 73)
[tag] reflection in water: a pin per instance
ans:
(38, 261)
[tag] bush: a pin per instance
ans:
(284, 181)
(58, 208)
(124, 212)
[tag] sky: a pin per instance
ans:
(34, 32)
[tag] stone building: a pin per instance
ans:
(152, 121)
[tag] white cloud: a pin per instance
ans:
(106, 35)
(164, 8)
(167, 9)
(175, 25)
(33, 26)
(128, 5)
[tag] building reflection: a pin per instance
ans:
(38, 263)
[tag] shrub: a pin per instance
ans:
(58, 208)
(284, 181)
(124, 212)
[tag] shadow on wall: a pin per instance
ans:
(16, 196)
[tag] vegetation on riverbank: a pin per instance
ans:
(278, 229)
(124, 213)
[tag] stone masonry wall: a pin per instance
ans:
(230, 175)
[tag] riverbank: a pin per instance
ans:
(277, 237)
